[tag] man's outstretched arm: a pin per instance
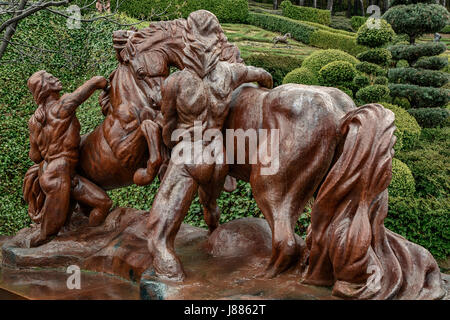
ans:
(71, 101)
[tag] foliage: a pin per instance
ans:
(278, 66)
(305, 13)
(371, 94)
(431, 63)
(308, 32)
(336, 73)
(431, 117)
(422, 77)
(341, 23)
(357, 22)
(225, 10)
(445, 30)
(424, 221)
(381, 80)
(402, 184)
(361, 81)
(402, 64)
(370, 69)
(319, 59)
(420, 97)
(417, 19)
(408, 130)
(374, 33)
(301, 76)
(347, 91)
(412, 53)
(380, 56)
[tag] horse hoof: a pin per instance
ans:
(142, 177)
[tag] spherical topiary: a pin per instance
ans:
(319, 59)
(406, 125)
(371, 69)
(402, 102)
(417, 19)
(337, 72)
(402, 63)
(361, 81)
(402, 183)
(372, 94)
(301, 76)
(381, 80)
(379, 56)
(374, 33)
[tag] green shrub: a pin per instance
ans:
(336, 73)
(424, 221)
(431, 117)
(232, 11)
(332, 40)
(408, 130)
(341, 23)
(380, 56)
(361, 81)
(370, 69)
(422, 77)
(431, 63)
(374, 33)
(420, 97)
(402, 102)
(402, 184)
(372, 94)
(357, 22)
(301, 76)
(305, 13)
(278, 66)
(319, 59)
(381, 80)
(417, 19)
(402, 64)
(412, 53)
(347, 91)
(445, 30)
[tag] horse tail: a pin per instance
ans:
(33, 194)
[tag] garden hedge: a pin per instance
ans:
(421, 77)
(402, 183)
(301, 76)
(420, 97)
(336, 73)
(431, 117)
(308, 32)
(372, 94)
(305, 13)
(278, 66)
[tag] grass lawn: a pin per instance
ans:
(251, 39)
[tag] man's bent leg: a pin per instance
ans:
(169, 208)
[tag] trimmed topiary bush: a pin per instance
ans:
(402, 184)
(301, 76)
(357, 22)
(425, 78)
(431, 117)
(374, 33)
(381, 80)
(319, 59)
(408, 130)
(380, 56)
(361, 81)
(417, 19)
(305, 13)
(412, 53)
(402, 64)
(347, 91)
(371, 69)
(420, 97)
(278, 66)
(431, 63)
(336, 73)
(372, 94)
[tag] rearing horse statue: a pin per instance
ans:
(327, 147)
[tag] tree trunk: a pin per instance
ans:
(9, 32)
(330, 5)
(315, 3)
(275, 4)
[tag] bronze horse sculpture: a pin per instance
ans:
(328, 147)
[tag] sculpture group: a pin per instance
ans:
(327, 148)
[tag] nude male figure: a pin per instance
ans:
(199, 94)
(54, 147)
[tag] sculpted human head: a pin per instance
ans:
(43, 84)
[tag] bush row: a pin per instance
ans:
(431, 63)
(412, 53)
(305, 13)
(421, 97)
(307, 33)
(422, 77)
(431, 117)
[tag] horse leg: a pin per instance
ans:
(152, 133)
(87, 194)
